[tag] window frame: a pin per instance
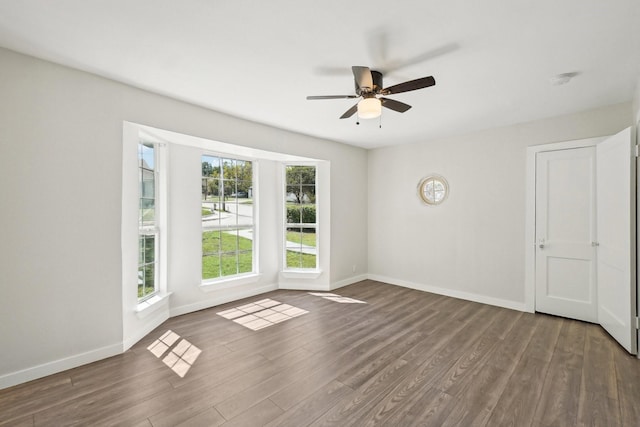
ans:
(221, 279)
(149, 230)
(301, 225)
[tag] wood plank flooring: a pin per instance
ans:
(406, 358)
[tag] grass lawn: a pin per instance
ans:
(308, 239)
(225, 254)
(300, 260)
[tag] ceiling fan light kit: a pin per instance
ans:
(369, 108)
(369, 87)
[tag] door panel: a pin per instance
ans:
(616, 236)
(565, 230)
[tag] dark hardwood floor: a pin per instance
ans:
(405, 358)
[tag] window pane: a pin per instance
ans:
(300, 260)
(301, 174)
(245, 261)
(245, 240)
(229, 169)
(308, 193)
(308, 214)
(244, 188)
(229, 188)
(149, 249)
(146, 155)
(294, 214)
(303, 237)
(229, 264)
(148, 183)
(229, 241)
(227, 216)
(210, 188)
(146, 280)
(294, 259)
(294, 195)
(140, 250)
(292, 245)
(211, 243)
(244, 214)
(147, 211)
(141, 282)
(146, 216)
(244, 170)
(301, 246)
(210, 166)
(210, 267)
(231, 206)
(208, 209)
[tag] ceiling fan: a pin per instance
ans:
(369, 87)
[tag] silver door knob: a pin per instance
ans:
(541, 243)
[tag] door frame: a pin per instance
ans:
(530, 211)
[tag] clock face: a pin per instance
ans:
(433, 190)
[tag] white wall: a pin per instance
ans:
(472, 246)
(636, 103)
(61, 178)
(636, 135)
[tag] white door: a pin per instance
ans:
(565, 267)
(616, 236)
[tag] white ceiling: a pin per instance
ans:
(492, 59)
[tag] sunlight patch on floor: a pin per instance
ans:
(180, 358)
(337, 298)
(261, 314)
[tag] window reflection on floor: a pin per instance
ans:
(337, 298)
(180, 358)
(261, 314)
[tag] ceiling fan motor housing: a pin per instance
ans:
(376, 76)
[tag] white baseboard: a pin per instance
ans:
(301, 286)
(222, 299)
(513, 305)
(50, 368)
(348, 281)
(152, 322)
(298, 286)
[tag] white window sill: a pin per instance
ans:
(231, 282)
(301, 274)
(151, 305)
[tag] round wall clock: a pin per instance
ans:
(433, 190)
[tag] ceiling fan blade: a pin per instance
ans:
(332, 71)
(410, 85)
(390, 67)
(394, 105)
(350, 112)
(332, 97)
(363, 77)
